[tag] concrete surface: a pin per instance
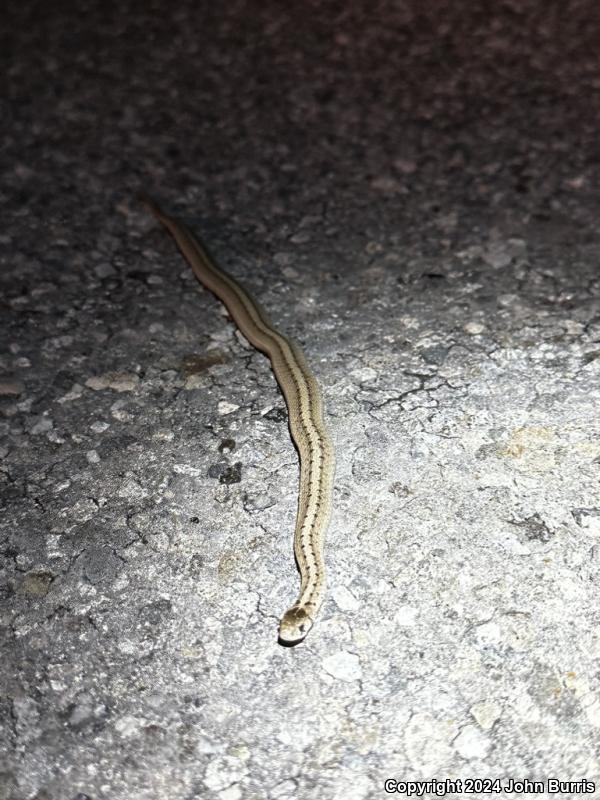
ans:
(411, 190)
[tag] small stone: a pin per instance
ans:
(58, 342)
(485, 714)
(516, 247)
(405, 166)
(406, 616)
(590, 522)
(343, 665)
(105, 270)
(119, 381)
(82, 510)
(73, 394)
(99, 427)
(471, 743)
(224, 771)
(497, 255)
(363, 375)
(194, 382)
(241, 751)
(117, 410)
(37, 584)
(427, 742)
(255, 501)
(572, 327)
(11, 388)
(129, 726)
(386, 184)
(399, 489)
(488, 633)
(92, 456)
(163, 435)
(23, 171)
(353, 786)
(222, 336)
(474, 328)
(344, 599)
(43, 425)
(187, 469)
(226, 408)
(506, 300)
(285, 790)
(131, 488)
(283, 259)
(27, 715)
(53, 545)
(81, 713)
(231, 793)
(302, 237)
(127, 647)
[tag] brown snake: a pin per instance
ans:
(305, 408)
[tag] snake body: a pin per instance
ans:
(305, 408)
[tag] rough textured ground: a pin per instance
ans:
(411, 191)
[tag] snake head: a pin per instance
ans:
(294, 625)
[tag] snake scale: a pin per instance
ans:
(305, 408)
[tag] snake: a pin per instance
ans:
(305, 414)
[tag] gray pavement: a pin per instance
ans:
(411, 191)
